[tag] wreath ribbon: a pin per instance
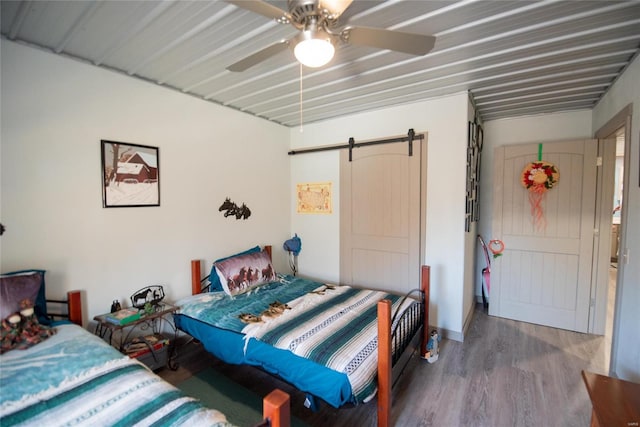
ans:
(538, 177)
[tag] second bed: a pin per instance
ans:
(321, 338)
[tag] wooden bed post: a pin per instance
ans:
(424, 285)
(195, 277)
(75, 307)
(384, 363)
(276, 409)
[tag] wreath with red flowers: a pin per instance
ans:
(539, 177)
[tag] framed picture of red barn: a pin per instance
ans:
(130, 175)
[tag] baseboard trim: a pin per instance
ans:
(467, 322)
(457, 335)
(451, 335)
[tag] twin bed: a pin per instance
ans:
(337, 344)
(75, 378)
(334, 343)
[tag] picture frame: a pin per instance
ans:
(314, 198)
(130, 174)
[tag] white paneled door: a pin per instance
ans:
(380, 193)
(544, 274)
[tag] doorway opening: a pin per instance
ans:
(618, 187)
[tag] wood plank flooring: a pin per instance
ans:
(506, 373)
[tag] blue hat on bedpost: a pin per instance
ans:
(293, 245)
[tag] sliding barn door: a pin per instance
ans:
(380, 193)
(544, 274)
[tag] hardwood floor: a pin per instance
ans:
(506, 373)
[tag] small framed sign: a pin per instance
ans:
(314, 198)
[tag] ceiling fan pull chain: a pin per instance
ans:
(301, 129)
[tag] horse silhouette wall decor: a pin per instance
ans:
(231, 209)
(149, 295)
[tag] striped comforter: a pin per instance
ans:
(334, 326)
(74, 378)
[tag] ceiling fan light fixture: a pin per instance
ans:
(314, 48)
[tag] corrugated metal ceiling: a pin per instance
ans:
(514, 57)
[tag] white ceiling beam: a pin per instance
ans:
(538, 26)
(212, 54)
(381, 6)
(535, 95)
(597, 80)
(186, 36)
(329, 94)
(391, 93)
(16, 25)
(506, 76)
(79, 23)
(585, 96)
(511, 13)
(468, 60)
(126, 36)
(551, 105)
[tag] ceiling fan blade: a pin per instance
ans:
(414, 44)
(259, 56)
(336, 7)
(262, 8)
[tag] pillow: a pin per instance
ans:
(213, 276)
(245, 272)
(17, 286)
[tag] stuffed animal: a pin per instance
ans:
(32, 331)
(249, 318)
(22, 330)
(10, 333)
(433, 347)
(325, 288)
(278, 307)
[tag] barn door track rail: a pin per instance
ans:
(411, 136)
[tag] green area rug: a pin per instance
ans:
(241, 406)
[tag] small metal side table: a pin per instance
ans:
(151, 323)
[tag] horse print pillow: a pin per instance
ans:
(241, 273)
(214, 280)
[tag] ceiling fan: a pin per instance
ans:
(320, 33)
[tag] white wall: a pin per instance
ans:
(55, 111)
(445, 122)
(626, 341)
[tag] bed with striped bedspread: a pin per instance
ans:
(75, 378)
(323, 329)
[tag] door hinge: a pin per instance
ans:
(599, 161)
(596, 232)
(593, 302)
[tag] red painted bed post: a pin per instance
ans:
(384, 363)
(276, 409)
(75, 307)
(424, 285)
(195, 277)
